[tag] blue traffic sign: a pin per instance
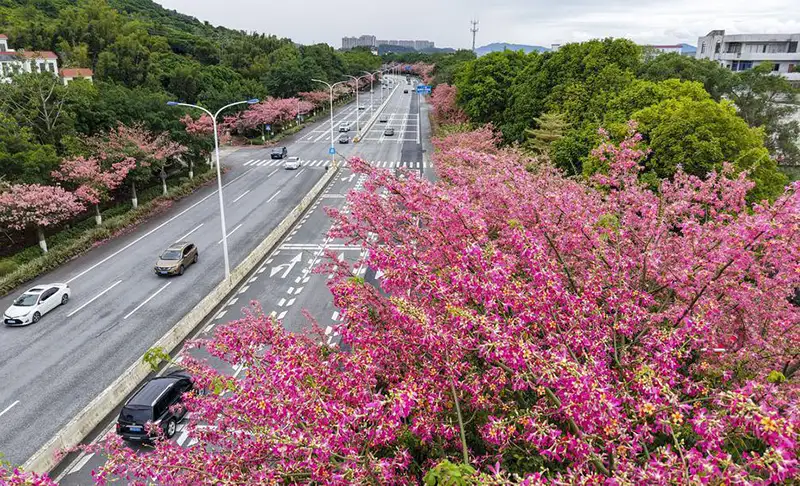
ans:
(332, 151)
(268, 127)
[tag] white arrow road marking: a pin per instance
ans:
(288, 266)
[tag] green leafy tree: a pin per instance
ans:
(769, 101)
(39, 102)
(700, 136)
(22, 159)
(550, 127)
(716, 79)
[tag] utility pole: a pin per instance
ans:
(474, 30)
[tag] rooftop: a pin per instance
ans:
(76, 72)
(3, 36)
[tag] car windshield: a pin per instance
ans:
(277, 150)
(26, 300)
(171, 255)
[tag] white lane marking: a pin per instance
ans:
(298, 174)
(232, 231)
(281, 302)
(146, 300)
(263, 163)
(208, 328)
(328, 330)
(94, 298)
(189, 233)
(418, 125)
(219, 316)
(335, 315)
(291, 289)
(252, 280)
(243, 195)
(273, 196)
(232, 301)
(9, 408)
(244, 289)
(249, 162)
(281, 315)
(239, 369)
(261, 270)
(299, 289)
(81, 463)
(291, 301)
(151, 231)
(272, 173)
(182, 438)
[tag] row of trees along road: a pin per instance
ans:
(142, 55)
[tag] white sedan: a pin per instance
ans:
(292, 163)
(36, 302)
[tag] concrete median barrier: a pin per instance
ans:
(371, 121)
(44, 460)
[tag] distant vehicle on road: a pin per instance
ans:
(389, 132)
(279, 152)
(344, 127)
(176, 258)
(362, 107)
(383, 119)
(344, 139)
(159, 403)
(405, 91)
(292, 163)
(36, 302)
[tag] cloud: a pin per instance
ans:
(541, 22)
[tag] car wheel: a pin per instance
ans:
(64, 299)
(180, 270)
(195, 257)
(169, 430)
(36, 317)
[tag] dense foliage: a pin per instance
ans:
(690, 111)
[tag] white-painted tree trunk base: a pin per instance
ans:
(134, 203)
(42, 241)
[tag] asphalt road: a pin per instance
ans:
(51, 370)
(285, 283)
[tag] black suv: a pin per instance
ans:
(279, 152)
(157, 401)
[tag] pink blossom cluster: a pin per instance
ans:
(445, 109)
(24, 206)
(273, 111)
(316, 98)
(94, 182)
(545, 330)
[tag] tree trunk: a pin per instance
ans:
(134, 201)
(42, 242)
(164, 186)
(98, 218)
(191, 170)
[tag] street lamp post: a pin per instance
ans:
(358, 108)
(219, 174)
(330, 87)
(371, 79)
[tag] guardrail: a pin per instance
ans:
(371, 121)
(44, 460)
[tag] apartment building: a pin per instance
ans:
(745, 51)
(682, 49)
(371, 41)
(363, 41)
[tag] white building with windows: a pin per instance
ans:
(745, 51)
(13, 62)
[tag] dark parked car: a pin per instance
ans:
(344, 139)
(279, 152)
(159, 401)
(405, 91)
(389, 132)
(176, 258)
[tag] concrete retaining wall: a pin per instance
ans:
(44, 460)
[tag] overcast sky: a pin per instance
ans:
(535, 22)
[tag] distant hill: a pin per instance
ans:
(502, 46)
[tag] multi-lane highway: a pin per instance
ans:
(119, 308)
(284, 283)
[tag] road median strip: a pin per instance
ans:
(374, 117)
(71, 435)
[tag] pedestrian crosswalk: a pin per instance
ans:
(385, 164)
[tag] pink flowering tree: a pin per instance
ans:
(34, 206)
(532, 329)
(319, 99)
(153, 153)
(93, 182)
(445, 109)
(10, 476)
